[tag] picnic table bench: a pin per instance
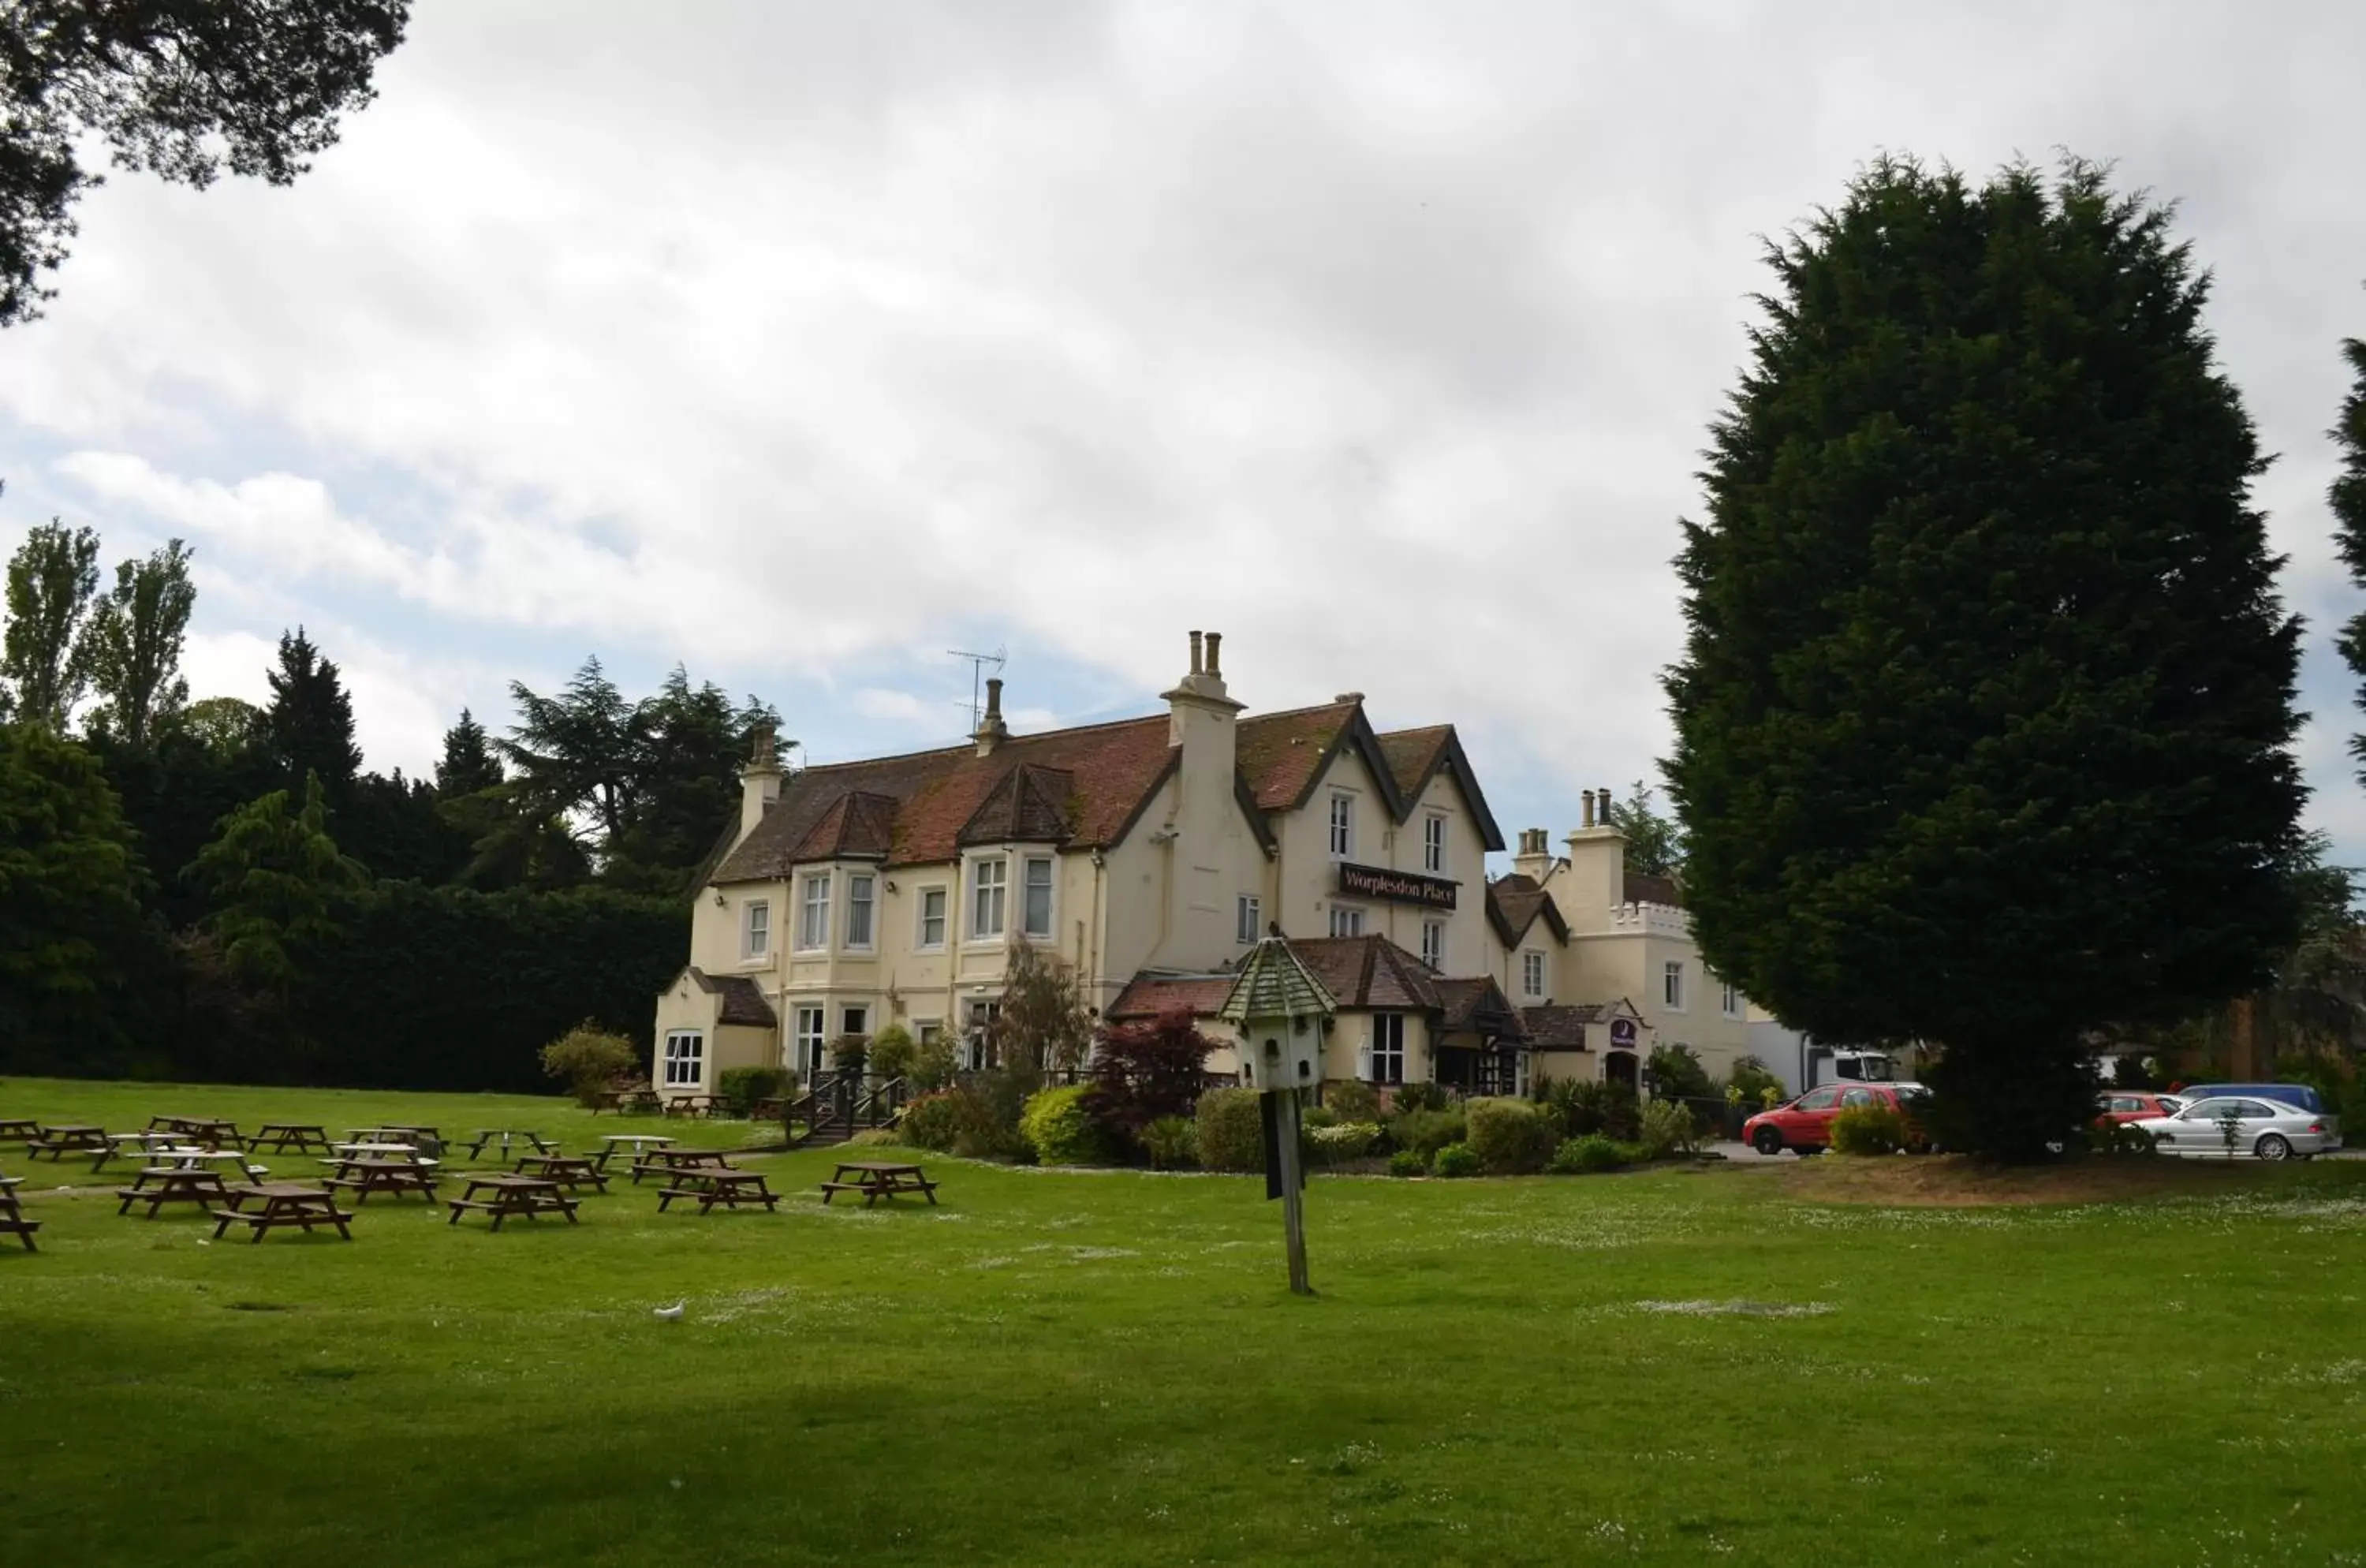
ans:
(876, 1179)
(162, 1184)
(488, 1135)
(289, 1138)
(505, 1195)
(280, 1204)
(572, 1172)
(723, 1185)
(673, 1161)
(12, 1214)
(638, 1143)
(366, 1174)
(59, 1142)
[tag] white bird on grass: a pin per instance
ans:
(673, 1313)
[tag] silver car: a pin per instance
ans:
(2227, 1127)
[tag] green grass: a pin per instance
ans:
(1106, 1369)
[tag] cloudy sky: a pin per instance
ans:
(803, 342)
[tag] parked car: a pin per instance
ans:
(2299, 1094)
(1806, 1124)
(2137, 1105)
(2263, 1129)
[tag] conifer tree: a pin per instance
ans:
(2348, 497)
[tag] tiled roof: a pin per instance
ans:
(1150, 995)
(1369, 972)
(858, 825)
(1414, 755)
(1029, 806)
(1558, 1028)
(1477, 1004)
(1279, 753)
(743, 1001)
(1515, 901)
(1644, 888)
(1274, 982)
(1110, 772)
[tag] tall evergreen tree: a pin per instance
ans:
(577, 754)
(311, 720)
(2347, 496)
(468, 765)
(135, 635)
(276, 884)
(1985, 715)
(1655, 844)
(44, 659)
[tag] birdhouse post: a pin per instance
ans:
(1282, 1012)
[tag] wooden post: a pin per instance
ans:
(1293, 1210)
(2243, 1055)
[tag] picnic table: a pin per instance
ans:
(59, 1142)
(280, 1204)
(12, 1214)
(289, 1137)
(16, 1129)
(692, 1105)
(486, 1136)
(572, 1171)
(505, 1195)
(725, 1185)
(364, 1175)
(123, 1144)
(162, 1184)
(674, 1161)
(876, 1179)
(211, 1131)
(638, 1143)
(202, 1159)
(624, 1100)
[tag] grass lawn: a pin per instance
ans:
(1105, 1368)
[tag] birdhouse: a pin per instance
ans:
(1281, 1011)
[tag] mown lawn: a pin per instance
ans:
(1105, 1368)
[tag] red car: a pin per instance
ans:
(2136, 1105)
(1806, 1124)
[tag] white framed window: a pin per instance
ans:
(1433, 943)
(1347, 921)
(812, 1050)
(931, 935)
(1035, 898)
(813, 914)
(1671, 986)
(1248, 922)
(854, 1021)
(1433, 843)
(685, 1059)
(977, 1039)
(989, 893)
(1532, 973)
(929, 1031)
(1729, 998)
(755, 930)
(860, 898)
(1343, 827)
(1384, 1057)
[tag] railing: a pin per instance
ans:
(836, 1106)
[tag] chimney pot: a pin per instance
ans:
(1349, 697)
(1195, 653)
(1587, 819)
(1215, 648)
(994, 696)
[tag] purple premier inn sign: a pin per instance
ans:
(1397, 887)
(1622, 1032)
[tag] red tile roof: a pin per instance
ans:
(1513, 902)
(1414, 755)
(1281, 754)
(743, 1002)
(1153, 995)
(1644, 888)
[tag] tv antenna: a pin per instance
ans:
(977, 664)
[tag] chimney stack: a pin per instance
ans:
(1586, 820)
(759, 782)
(1215, 647)
(991, 731)
(1533, 860)
(1195, 653)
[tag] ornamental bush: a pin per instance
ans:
(1586, 1156)
(1510, 1137)
(1427, 1132)
(1229, 1132)
(1454, 1159)
(741, 1087)
(1417, 1097)
(933, 1063)
(1668, 1128)
(1143, 1071)
(1345, 1141)
(587, 1057)
(892, 1051)
(1868, 1130)
(1172, 1144)
(1060, 1129)
(1405, 1162)
(1354, 1099)
(932, 1121)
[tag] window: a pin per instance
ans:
(858, 910)
(1532, 974)
(685, 1058)
(1347, 921)
(989, 886)
(1822, 1100)
(1343, 827)
(811, 1055)
(756, 928)
(1432, 844)
(1035, 904)
(978, 1038)
(1385, 1054)
(1858, 1097)
(932, 916)
(813, 915)
(1248, 923)
(929, 1031)
(1728, 999)
(854, 1021)
(1671, 986)
(1433, 943)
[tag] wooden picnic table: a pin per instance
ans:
(59, 1142)
(639, 1143)
(723, 1185)
(211, 1130)
(16, 1129)
(162, 1184)
(280, 1204)
(876, 1179)
(692, 1104)
(12, 1214)
(642, 1098)
(486, 1136)
(126, 1145)
(572, 1171)
(202, 1159)
(289, 1138)
(672, 1161)
(505, 1195)
(363, 1176)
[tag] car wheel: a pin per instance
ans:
(1767, 1141)
(2272, 1146)
(2133, 1139)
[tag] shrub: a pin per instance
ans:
(1557, 1097)
(1343, 1141)
(891, 1052)
(1405, 1162)
(933, 1063)
(1059, 1128)
(586, 1057)
(741, 1087)
(1868, 1130)
(1427, 1132)
(1354, 1099)
(1752, 1077)
(932, 1121)
(1677, 1074)
(988, 1108)
(1144, 1071)
(1417, 1097)
(1599, 1106)
(1510, 1137)
(1668, 1128)
(1172, 1144)
(1454, 1159)
(1586, 1155)
(850, 1053)
(876, 1137)
(1229, 1131)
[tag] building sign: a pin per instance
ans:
(1622, 1033)
(1397, 887)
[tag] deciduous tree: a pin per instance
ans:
(136, 634)
(45, 659)
(1985, 715)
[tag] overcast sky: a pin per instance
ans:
(801, 344)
